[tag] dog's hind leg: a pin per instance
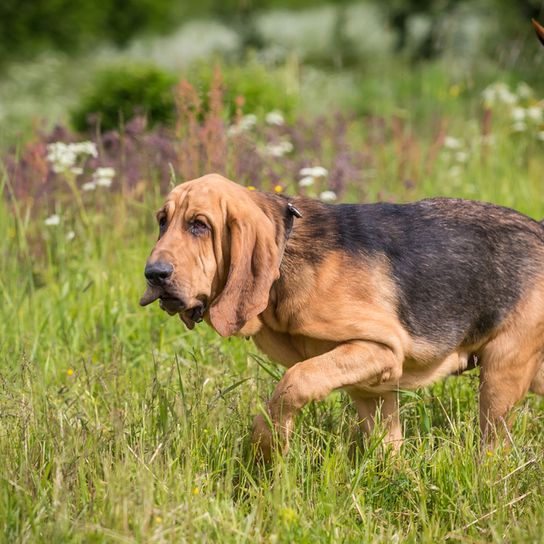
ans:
(505, 377)
(382, 410)
(537, 385)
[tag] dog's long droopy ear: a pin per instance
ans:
(539, 31)
(254, 266)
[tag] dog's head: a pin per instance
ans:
(217, 255)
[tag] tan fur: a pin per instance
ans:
(333, 324)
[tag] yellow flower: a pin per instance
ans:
(158, 519)
(196, 491)
(278, 189)
(250, 188)
(455, 90)
(489, 453)
(70, 371)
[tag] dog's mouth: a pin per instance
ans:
(173, 304)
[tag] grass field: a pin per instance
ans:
(118, 425)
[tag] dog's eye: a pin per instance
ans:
(162, 223)
(198, 227)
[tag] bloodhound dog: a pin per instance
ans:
(370, 298)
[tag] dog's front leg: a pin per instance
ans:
(351, 363)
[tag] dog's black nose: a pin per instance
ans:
(158, 271)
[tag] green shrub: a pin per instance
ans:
(262, 88)
(118, 93)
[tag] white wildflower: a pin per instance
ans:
(498, 93)
(105, 172)
(519, 126)
(103, 177)
(534, 113)
(85, 148)
(70, 235)
(461, 156)
(52, 220)
(279, 149)
(89, 186)
(328, 196)
(63, 157)
(234, 130)
(275, 117)
(518, 114)
(523, 90)
(452, 143)
(247, 122)
(76, 170)
(103, 182)
(306, 181)
(314, 171)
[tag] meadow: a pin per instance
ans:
(119, 425)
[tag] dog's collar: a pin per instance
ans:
(292, 212)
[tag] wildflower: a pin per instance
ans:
(523, 90)
(246, 123)
(534, 113)
(461, 156)
(103, 177)
(250, 188)
(70, 235)
(275, 118)
(498, 93)
(63, 156)
(518, 113)
(278, 189)
(70, 372)
(89, 186)
(106, 172)
(76, 170)
(52, 220)
(158, 519)
(85, 148)
(314, 171)
(328, 196)
(306, 181)
(452, 143)
(280, 149)
(196, 491)
(104, 182)
(455, 90)
(519, 126)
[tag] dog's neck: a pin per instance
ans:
(283, 214)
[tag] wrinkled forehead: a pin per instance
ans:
(194, 197)
(211, 194)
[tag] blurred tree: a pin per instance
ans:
(29, 27)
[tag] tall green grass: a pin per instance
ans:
(118, 425)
